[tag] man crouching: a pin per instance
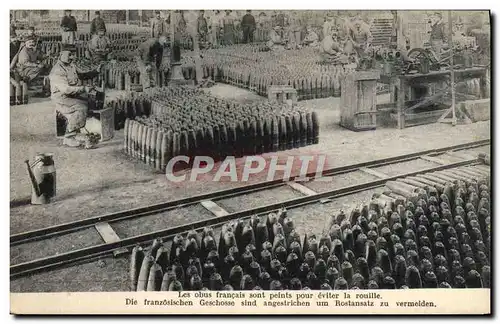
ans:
(66, 93)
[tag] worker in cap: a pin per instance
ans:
(158, 26)
(328, 25)
(97, 24)
(311, 39)
(28, 63)
(437, 33)
(15, 79)
(69, 28)
(99, 46)
(149, 59)
(202, 28)
(68, 96)
(275, 41)
(228, 29)
(360, 36)
(249, 26)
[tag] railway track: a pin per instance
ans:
(114, 244)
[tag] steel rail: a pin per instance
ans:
(50, 262)
(44, 233)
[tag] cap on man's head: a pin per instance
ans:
(438, 14)
(31, 28)
(97, 12)
(157, 12)
(67, 10)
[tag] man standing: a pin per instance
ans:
(360, 36)
(99, 46)
(249, 25)
(15, 43)
(157, 26)
(66, 94)
(69, 28)
(97, 24)
(328, 25)
(437, 34)
(149, 58)
(229, 30)
(399, 38)
(202, 28)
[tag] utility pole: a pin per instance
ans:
(452, 70)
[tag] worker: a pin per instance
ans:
(249, 26)
(149, 58)
(228, 28)
(311, 39)
(99, 46)
(294, 30)
(399, 33)
(97, 24)
(330, 48)
(202, 28)
(157, 26)
(328, 25)
(15, 43)
(28, 63)
(67, 95)
(275, 41)
(360, 36)
(69, 28)
(437, 34)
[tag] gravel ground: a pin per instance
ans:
(95, 182)
(59, 244)
(107, 274)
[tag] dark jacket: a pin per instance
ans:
(202, 26)
(151, 51)
(14, 48)
(69, 23)
(438, 31)
(248, 21)
(97, 24)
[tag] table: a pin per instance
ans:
(406, 82)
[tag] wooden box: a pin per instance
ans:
(358, 100)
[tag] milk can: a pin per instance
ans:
(42, 174)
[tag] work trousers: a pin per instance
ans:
(148, 76)
(68, 37)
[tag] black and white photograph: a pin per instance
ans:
(268, 160)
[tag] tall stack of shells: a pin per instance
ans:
(187, 121)
(436, 236)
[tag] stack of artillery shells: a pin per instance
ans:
(441, 241)
(186, 121)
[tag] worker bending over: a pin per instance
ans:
(99, 47)
(275, 41)
(66, 93)
(149, 58)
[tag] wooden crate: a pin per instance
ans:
(282, 94)
(358, 100)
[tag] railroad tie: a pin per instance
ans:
(374, 173)
(109, 235)
(301, 188)
(214, 208)
(433, 159)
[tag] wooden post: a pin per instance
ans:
(140, 18)
(452, 80)
(127, 16)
